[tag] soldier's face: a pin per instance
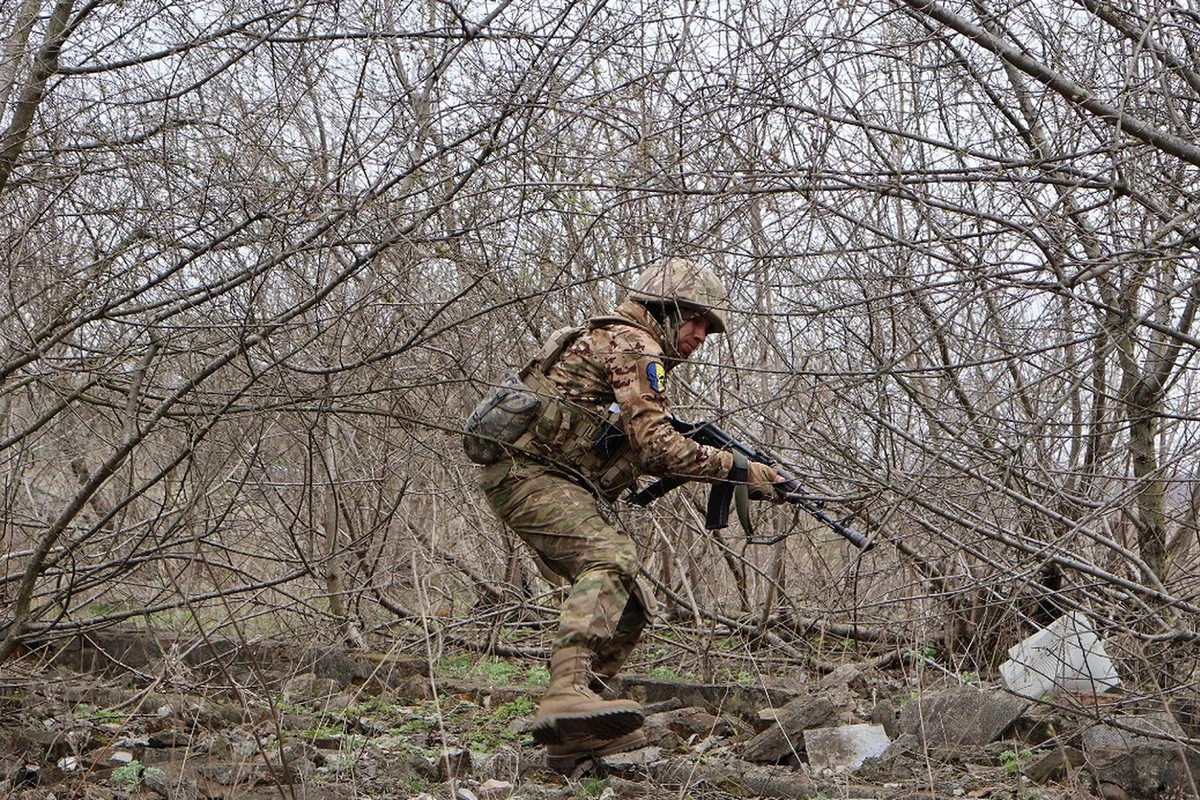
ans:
(691, 335)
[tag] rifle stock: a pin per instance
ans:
(790, 489)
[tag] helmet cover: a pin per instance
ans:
(684, 283)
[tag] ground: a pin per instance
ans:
(329, 732)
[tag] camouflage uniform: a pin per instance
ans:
(548, 483)
(554, 508)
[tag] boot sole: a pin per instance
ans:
(611, 725)
(564, 763)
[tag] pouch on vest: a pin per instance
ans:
(516, 407)
(500, 418)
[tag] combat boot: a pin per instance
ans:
(571, 710)
(605, 666)
(563, 758)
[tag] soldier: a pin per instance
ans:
(604, 420)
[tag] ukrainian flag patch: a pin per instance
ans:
(657, 376)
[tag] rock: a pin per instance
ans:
(670, 704)
(308, 688)
(495, 788)
(1126, 731)
(688, 722)
(298, 688)
(217, 777)
(1110, 791)
(505, 765)
(88, 791)
(414, 689)
(338, 703)
(1141, 755)
(736, 699)
(844, 748)
(862, 679)
(168, 738)
(300, 758)
(323, 691)
(243, 744)
(136, 743)
(26, 775)
(39, 745)
(784, 738)
(454, 763)
(373, 727)
(1145, 772)
(844, 675)
(958, 717)
(884, 713)
(632, 760)
(171, 781)
(903, 759)
(631, 765)
(659, 733)
(1054, 765)
(343, 669)
(748, 780)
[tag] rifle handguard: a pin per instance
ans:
(717, 513)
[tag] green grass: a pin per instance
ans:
(592, 787)
(131, 776)
(665, 674)
(1014, 760)
(100, 716)
(466, 665)
(521, 707)
(496, 671)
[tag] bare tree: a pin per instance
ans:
(261, 262)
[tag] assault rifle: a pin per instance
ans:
(719, 498)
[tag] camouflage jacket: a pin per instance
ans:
(628, 365)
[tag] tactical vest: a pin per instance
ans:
(573, 436)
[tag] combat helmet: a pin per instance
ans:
(686, 284)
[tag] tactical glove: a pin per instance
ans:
(760, 478)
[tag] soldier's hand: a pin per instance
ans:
(761, 479)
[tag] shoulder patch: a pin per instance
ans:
(657, 376)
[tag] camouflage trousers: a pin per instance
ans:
(605, 609)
